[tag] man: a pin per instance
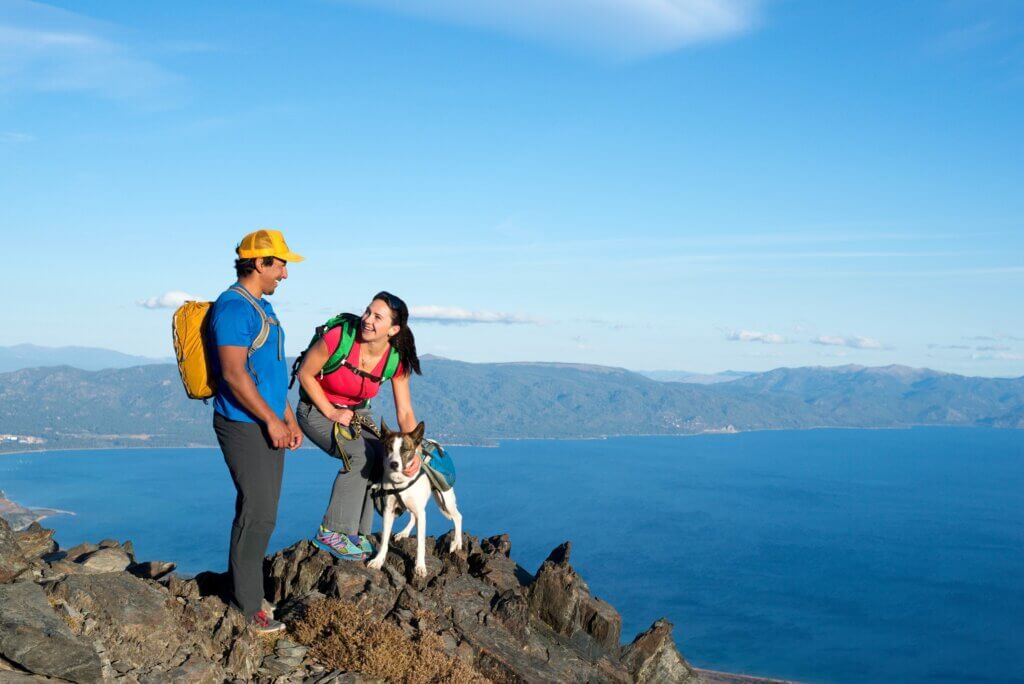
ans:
(252, 418)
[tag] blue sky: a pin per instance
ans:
(677, 184)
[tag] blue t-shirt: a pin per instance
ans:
(235, 323)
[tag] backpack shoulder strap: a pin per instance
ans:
(392, 365)
(265, 323)
(346, 339)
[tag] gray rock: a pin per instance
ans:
(12, 560)
(129, 616)
(76, 552)
(153, 570)
(653, 657)
(36, 541)
(105, 559)
(561, 599)
(34, 638)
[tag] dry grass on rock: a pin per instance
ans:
(340, 635)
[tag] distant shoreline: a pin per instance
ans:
(494, 443)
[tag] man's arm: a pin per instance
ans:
(234, 372)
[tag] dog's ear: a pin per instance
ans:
(417, 433)
(384, 427)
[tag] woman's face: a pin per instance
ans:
(376, 322)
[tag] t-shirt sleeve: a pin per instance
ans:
(331, 338)
(234, 323)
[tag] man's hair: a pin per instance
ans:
(244, 267)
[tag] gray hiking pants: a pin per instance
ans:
(350, 510)
(256, 469)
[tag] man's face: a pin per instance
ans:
(271, 276)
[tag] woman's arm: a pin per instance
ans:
(403, 403)
(312, 363)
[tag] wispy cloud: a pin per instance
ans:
(949, 346)
(998, 337)
(754, 336)
(622, 29)
(454, 315)
(852, 341)
(992, 348)
(13, 137)
(47, 49)
(997, 356)
(168, 300)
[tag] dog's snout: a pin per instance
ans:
(395, 465)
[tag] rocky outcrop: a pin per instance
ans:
(93, 613)
(12, 558)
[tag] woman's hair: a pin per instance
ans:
(403, 340)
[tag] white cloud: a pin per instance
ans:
(47, 49)
(754, 336)
(454, 315)
(168, 300)
(853, 341)
(616, 28)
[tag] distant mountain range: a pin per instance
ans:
(87, 358)
(483, 402)
(695, 378)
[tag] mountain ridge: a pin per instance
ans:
(464, 402)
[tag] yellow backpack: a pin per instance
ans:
(189, 327)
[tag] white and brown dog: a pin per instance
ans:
(413, 490)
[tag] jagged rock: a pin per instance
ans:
(498, 544)
(653, 657)
(245, 657)
(105, 559)
(16, 677)
(561, 599)
(35, 639)
(36, 541)
(12, 560)
(500, 571)
(130, 616)
(153, 570)
(76, 552)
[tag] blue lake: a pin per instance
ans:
(825, 556)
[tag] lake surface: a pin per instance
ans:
(824, 556)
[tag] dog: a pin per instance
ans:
(402, 449)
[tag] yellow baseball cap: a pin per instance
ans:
(266, 243)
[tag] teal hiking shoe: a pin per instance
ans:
(343, 546)
(366, 545)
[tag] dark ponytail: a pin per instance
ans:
(403, 341)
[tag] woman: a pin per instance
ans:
(334, 412)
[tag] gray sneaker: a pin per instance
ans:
(264, 624)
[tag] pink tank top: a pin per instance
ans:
(343, 387)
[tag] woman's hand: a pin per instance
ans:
(340, 415)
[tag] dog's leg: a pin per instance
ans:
(407, 529)
(385, 534)
(446, 502)
(420, 515)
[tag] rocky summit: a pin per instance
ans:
(94, 613)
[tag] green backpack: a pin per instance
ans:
(349, 324)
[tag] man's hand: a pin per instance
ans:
(296, 435)
(340, 415)
(279, 432)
